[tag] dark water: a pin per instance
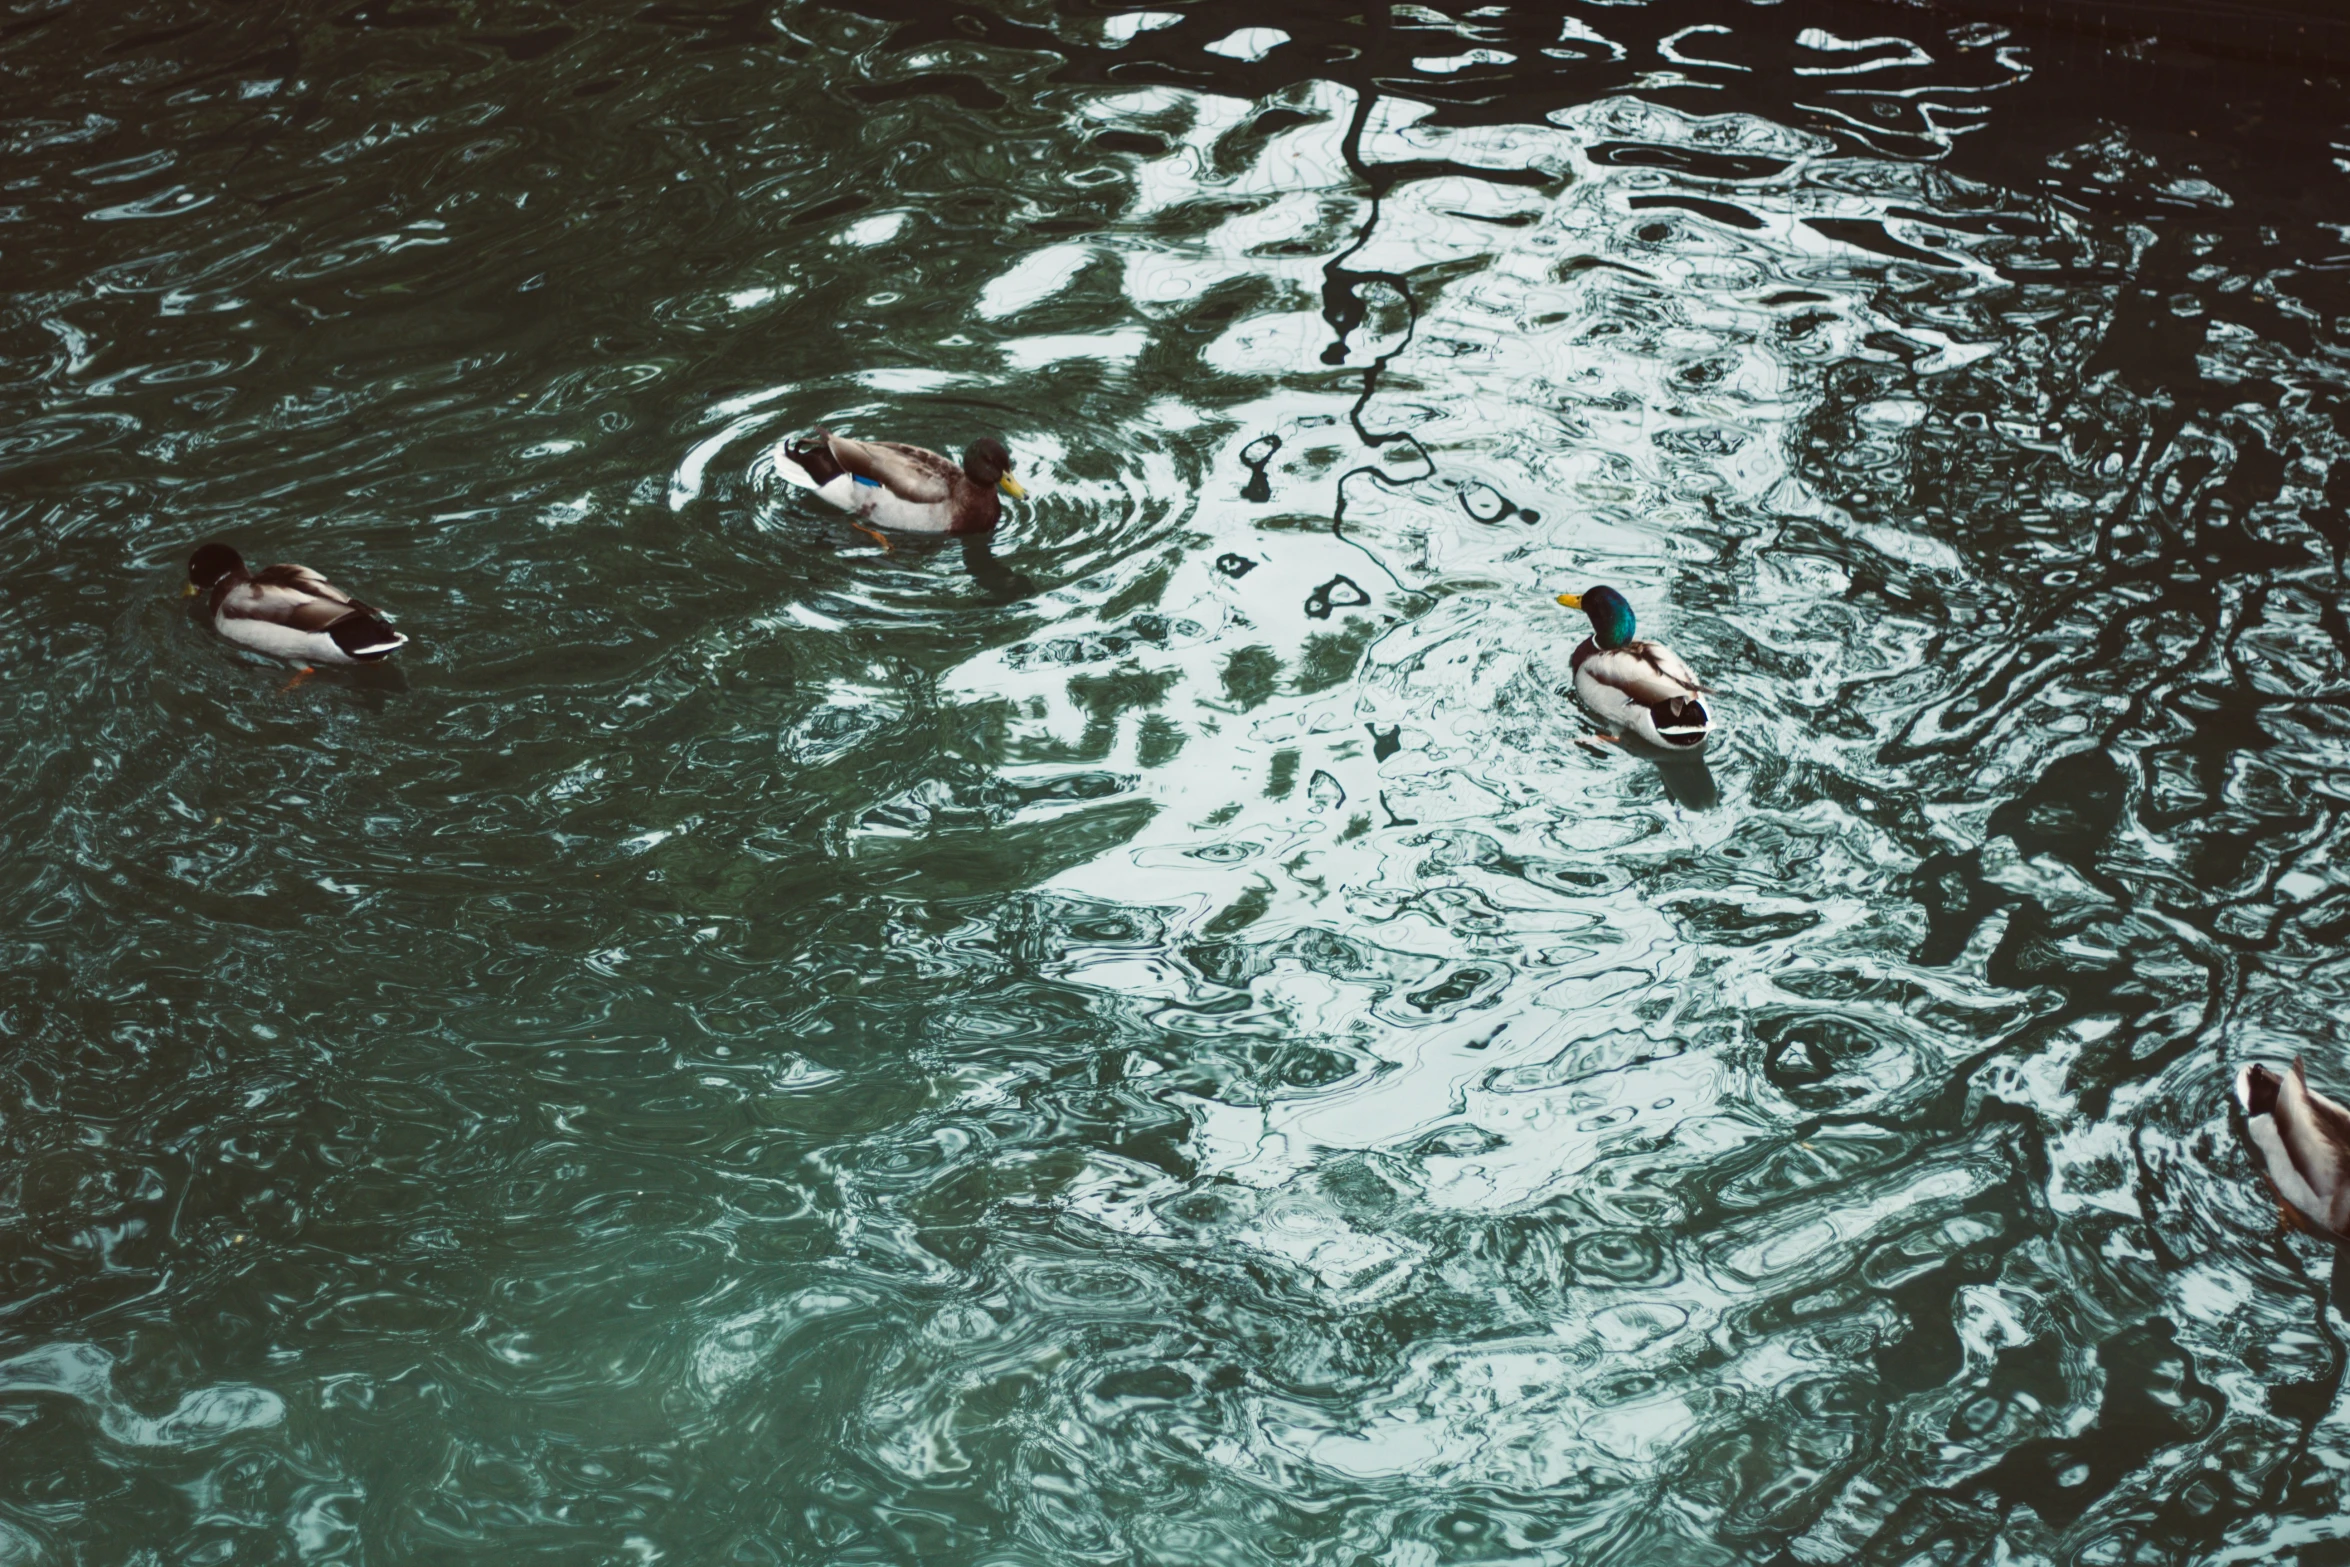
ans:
(1165, 1040)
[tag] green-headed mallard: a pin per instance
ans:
(2302, 1139)
(288, 612)
(906, 488)
(1639, 687)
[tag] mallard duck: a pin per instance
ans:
(1639, 687)
(906, 488)
(2302, 1139)
(288, 612)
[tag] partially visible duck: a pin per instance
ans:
(1639, 687)
(288, 612)
(2302, 1141)
(906, 488)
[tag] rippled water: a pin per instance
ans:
(1166, 1038)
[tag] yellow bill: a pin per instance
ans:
(1571, 600)
(1011, 486)
(190, 591)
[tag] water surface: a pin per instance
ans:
(1166, 1036)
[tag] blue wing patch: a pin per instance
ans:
(869, 483)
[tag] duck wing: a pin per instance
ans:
(302, 580)
(1647, 672)
(908, 472)
(281, 599)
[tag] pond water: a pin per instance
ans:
(1166, 1036)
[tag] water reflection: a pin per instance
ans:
(1687, 779)
(1155, 1035)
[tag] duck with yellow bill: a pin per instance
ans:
(905, 489)
(1641, 688)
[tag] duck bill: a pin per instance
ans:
(1571, 600)
(1011, 486)
(190, 591)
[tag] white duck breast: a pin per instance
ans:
(2303, 1142)
(1644, 689)
(885, 507)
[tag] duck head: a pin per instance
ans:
(1610, 612)
(208, 565)
(988, 463)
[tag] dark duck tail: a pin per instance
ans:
(1681, 720)
(366, 636)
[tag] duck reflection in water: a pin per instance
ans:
(999, 581)
(1686, 778)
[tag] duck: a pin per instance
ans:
(2302, 1141)
(906, 488)
(288, 612)
(1640, 687)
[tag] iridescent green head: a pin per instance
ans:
(1610, 612)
